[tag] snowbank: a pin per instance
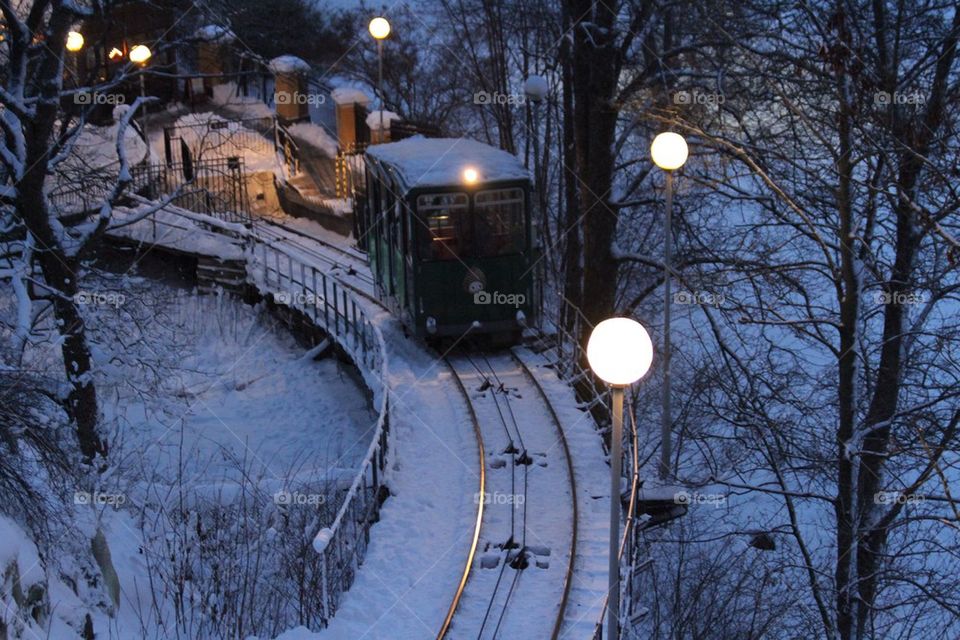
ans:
(215, 33)
(289, 65)
(211, 136)
(373, 119)
(315, 136)
(441, 161)
(225, 96)
(349, 95)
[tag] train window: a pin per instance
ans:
(446, 233)
(499, 222)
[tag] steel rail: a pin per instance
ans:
(468, 567)
(568, 578)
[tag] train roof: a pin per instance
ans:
(440, 162)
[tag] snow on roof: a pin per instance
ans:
(289, 64)
(346, 95)
(373, 119)
(435, 162)
(214, 33)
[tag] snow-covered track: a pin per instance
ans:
(529, 526)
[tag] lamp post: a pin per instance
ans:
(74, 44)
(536, 88)
(669, 152)
(619, 352)
(380, 29)
(139, 55)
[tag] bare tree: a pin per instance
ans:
(39, 134)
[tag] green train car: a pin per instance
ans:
(447, 228)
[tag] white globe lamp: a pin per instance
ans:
(669, 151)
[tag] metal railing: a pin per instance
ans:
(215, 187)
(329, 305)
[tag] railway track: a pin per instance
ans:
(523, 544)
(522, 553)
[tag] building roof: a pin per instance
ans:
(440, 162)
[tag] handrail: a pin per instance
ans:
(328, 304)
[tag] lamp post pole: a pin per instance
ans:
(383, 104)
(379, 28)
(146, 116)
(616, 455)
(139, 55)
(619, 352)
(665, 414)
(669, 152)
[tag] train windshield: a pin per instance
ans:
(498, 217)
(448, 229)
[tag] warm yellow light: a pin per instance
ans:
(669, 151)
(115, 54)
(619, 351)
(470, 175)
(140, 54)
(74, 41)
(379, 28)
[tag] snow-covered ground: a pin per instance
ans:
(220, 425)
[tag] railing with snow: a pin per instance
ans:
(329, 305)
(565, 329)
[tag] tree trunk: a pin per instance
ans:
(595, 73)
(573, 269)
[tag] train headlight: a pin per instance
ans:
(431, 325)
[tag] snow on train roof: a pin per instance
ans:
(437, 162)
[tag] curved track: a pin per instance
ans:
(515, 548)
(529, 534)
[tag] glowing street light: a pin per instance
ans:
(669, 152)
(140, 54)
(620, 353)
(380, 29)
(74, 41)
(470, 175)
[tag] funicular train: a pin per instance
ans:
(447, 228)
